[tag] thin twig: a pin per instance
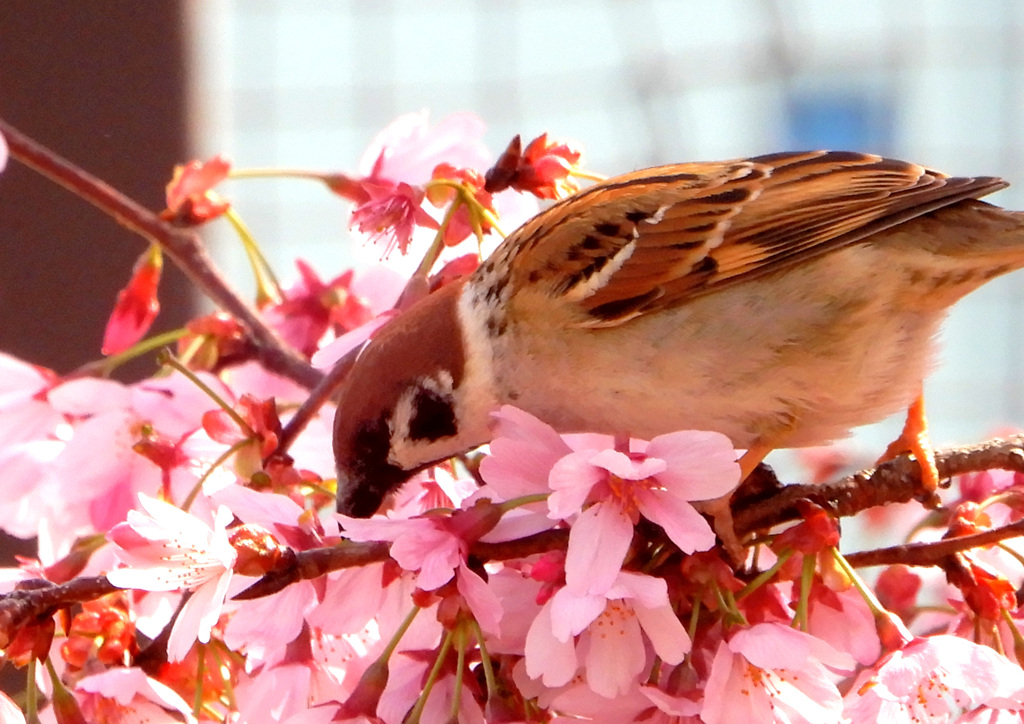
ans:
(318, 395)
(933, 553)
(183, 246)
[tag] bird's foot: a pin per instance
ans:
(914, 440)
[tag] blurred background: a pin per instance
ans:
(129, 91)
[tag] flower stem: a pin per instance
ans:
(806, 579)
(268, 289)
(168, 359)
(765, 576)
(485, 662)
(460, 671)
(223, 458)
(435, 672)
(197, 702)
(143, 347)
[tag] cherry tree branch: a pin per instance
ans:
(933, 553)
(318, 395)
(896, 481)
(893, 482)
(183, 246)
(25, 605)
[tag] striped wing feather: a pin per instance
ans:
(655, 238)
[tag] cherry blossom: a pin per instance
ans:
(610, 631)
(544, 168)
(934, 679)
(771, 672)
(124, 695)
(409, 148)
(397, 164)
(166, 549)
(396, 167)
(390, 215)
(190, 198)
(137, 304)
(24, 411)
(311, 308)
(657, 480)
(436, 549)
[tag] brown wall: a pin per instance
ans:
(102, 83)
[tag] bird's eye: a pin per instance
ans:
(433, 415)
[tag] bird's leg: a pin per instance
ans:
(721, 511)
(914, 439)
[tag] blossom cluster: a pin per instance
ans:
(543, 578)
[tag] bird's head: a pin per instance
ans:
(405, 404)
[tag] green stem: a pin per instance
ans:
(869, 597)
(268, 290)
(460, 642)
(168, 359)
(523, 500)
(765, 576)
(223, 458)
(806, 579)
(32, 694)
(399, 633)
(244, 173)
(437, 245)
(143, 347)
(197, 703)
(435, 672)
(485, 662)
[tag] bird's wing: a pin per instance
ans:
(656, 238)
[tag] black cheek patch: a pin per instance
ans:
(433, 416)
(367, 477)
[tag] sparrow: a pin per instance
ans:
(780, 300)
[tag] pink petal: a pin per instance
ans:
(598, 543)
(621, 465)
(482, 600)
(616, 656)
(728, 698)
(701, 465)
(408, 150)
(685, 526)
(644, 590)
(675, 705)
(572, 613)
(329, 354)
(10, 713)
(548, 658)
(17, 376)
(123, 685)
(523, 451)
(89, 396)
(265, 509)
(198, 616)
(269, 623)
(571, 479)
(665, 631)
